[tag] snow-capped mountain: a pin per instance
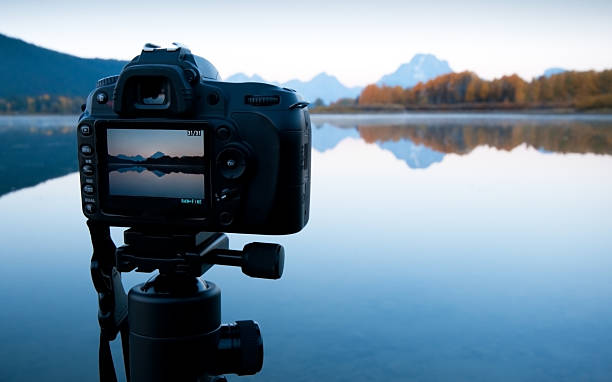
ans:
(422, 68)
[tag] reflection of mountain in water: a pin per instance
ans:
(140, 169)
(326, 136)
(416, 156)
(137, 169)
(461, 139)
(424, 140)
(159, 170)
(34, 149)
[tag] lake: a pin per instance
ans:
(459, 247)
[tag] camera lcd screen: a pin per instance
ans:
(156, 163)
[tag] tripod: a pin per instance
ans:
(171, 325)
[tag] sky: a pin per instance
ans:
(356, 41)
(146, 142)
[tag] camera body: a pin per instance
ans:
(166, 144)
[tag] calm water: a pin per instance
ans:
(440, 247)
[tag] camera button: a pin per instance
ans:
(87, 169)
(223, 133)
(90, 208)
(88, 189)
(226, 218)
(213, 99)
(86, 150)
(101, 98)
(85, 130)
(232, 163)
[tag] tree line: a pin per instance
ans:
(42, 104)
(582, 90)
(553, 136)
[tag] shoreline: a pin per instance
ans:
(455, 110)
(374, 111)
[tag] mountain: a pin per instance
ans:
(422, 68)
(323, 86)
(241, 77)
(157, 155)
(136, 158)
(552, 71)
(30, 70)
(27, 69)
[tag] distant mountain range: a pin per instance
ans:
(134, 158)
(422, 68)
(323, 86)
(140, 158)
(30, 70)
(157, 159)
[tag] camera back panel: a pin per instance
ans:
(231, 158)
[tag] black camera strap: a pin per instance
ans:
(112, 300)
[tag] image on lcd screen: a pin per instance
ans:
(156, 163)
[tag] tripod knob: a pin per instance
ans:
(263, 260)
(240, 349)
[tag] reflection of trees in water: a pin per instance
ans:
(30, 155)
(579, 137)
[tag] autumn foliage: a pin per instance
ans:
(43, 104)
(569, 89)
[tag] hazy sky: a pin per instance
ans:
(357, 41)
(146, 142)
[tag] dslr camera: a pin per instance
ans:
(167, 143)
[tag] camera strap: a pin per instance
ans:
(112, 300)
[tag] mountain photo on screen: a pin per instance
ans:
(156, 163)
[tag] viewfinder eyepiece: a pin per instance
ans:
(152, 91)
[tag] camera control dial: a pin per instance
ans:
(107, 81)
(232, 162)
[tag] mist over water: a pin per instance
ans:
(471, 247)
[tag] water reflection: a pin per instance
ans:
(489, 265)
(420, 142)
(34, 149)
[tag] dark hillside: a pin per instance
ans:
(29, 70)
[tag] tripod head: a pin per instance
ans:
(193, 253)
(175, 330)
